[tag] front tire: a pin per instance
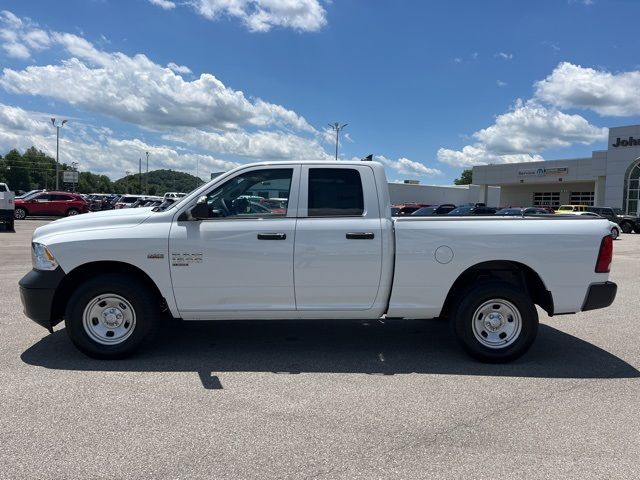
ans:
(615, 233)
(72, 212)
(19, 213)
(111, 316)
(627, 227)
(495, 322)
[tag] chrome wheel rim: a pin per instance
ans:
(614, 233)
(20, 214)
(71, 213)
(496, 323)
(109, 319)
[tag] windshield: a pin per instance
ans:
(565, 208)
(424, 211)
(460, 211)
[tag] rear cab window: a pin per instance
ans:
(335, 192)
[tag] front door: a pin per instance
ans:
(338, 250)
(240, 259)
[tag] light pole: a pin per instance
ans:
(146, 182)
(53, 121)
(336, 127)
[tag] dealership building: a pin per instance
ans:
(608, 178)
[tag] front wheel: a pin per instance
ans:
(495, 322)
(626, 227)
(615, 233)
(19, 213)
(72, 212)
(111, 315)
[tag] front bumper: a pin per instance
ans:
(37, 291)
(599, 295)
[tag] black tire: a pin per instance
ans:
(19, 213)
(626, 227)
(615, 232)
(143, 301)
(72, 212)
(480, 295)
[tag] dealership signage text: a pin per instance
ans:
(632, 142)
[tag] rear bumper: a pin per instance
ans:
(599, 295)
(37, 290)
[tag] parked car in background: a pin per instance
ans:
(443, 209)
(173, 195)
(569, 209)
(613, 226)
(469, 210)
(628, 223)
(59, 204)
(7, 206)
(522, 212)
(405, 209)
(127, 200)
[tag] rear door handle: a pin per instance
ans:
(360, 236)
(272, 236)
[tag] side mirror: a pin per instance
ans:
(200, 210)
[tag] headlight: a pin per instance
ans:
(42, 258)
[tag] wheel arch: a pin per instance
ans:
(516, 273)
(88, 270)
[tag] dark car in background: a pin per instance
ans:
(402, 209)
(628, 223)
(522, 212)
(58, 204)
(443, 209)
(472, 210)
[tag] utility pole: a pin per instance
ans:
(58, 127)
(336, 127)
(140, 173)
(146, 188)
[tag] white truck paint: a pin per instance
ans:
(7, 206)
(363, 265)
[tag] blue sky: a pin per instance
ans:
(427, 87)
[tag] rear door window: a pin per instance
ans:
(335, 192)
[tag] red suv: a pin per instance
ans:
(50, 203)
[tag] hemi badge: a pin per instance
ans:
(155, 255)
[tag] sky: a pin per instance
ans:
(427, 87)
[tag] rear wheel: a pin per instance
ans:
(111, 316)
(20, 213)
(626, 227)
(72, 211)
(495, 322)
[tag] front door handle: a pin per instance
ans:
(360, 236)
(272, 236)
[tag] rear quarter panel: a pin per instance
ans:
(562, 252)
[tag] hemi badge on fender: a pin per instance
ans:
(155, 255)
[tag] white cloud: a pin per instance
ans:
(404, 166)
(573, 86)
(258, 145)
(183, 69)
(96, 149)
(18, 37)
(500, 83)
(521, 134)
(139, 91)
(164, 4)
(504, 56)
(262, 15)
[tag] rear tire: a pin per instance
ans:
(111, 316)
(19, 213)
(72, 212)
(495, 322)
(626, 227)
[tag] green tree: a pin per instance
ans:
(16, 171)
(465, 177)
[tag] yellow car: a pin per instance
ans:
(571, 209)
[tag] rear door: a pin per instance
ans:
(338, 247)
(40, 204)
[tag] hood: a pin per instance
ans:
(126, 217)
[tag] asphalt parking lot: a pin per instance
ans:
(336, 399)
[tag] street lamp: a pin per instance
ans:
(336, 127)
(58, 127)
(146, 183)
(74, 166)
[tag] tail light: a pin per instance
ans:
(605, 255)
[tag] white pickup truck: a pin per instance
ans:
(7, 206)
(332, 251)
